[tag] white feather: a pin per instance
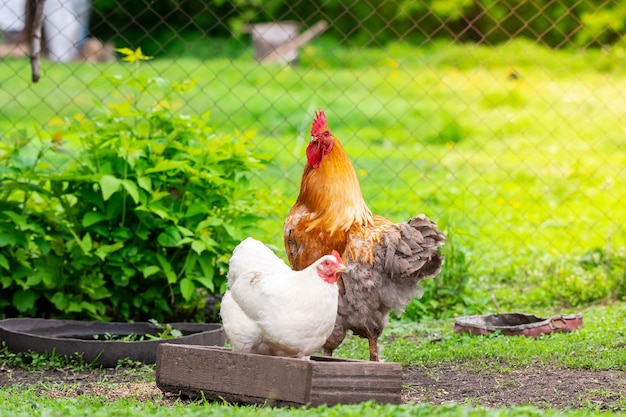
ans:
(271, 309)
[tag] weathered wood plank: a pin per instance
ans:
(219, 373)
(212, 370)
(350, 382)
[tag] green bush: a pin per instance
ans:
(568, 281)
(129, 215)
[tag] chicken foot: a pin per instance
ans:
(373, 348)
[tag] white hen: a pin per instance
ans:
(272, 310)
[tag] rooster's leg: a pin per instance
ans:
(335, 339)
(373, 342)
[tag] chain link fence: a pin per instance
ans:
(501, 119)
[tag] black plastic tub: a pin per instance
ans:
(89, 339)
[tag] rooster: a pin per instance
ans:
(270, 309)
(384, 261)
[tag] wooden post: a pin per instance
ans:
(34, 23)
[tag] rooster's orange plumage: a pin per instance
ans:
(384, 261)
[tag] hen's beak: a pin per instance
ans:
(341, 268)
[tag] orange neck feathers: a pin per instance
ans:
(332, 192)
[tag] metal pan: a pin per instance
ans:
(517, 324)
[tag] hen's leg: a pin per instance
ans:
(335, 339)
(373, 342)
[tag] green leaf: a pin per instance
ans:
(19, 221)
(211, 221)
(143, 129)
(99, 293)
(158, 210)
(184, 241)
(104, 250)
(167, 269)
(92, 218)
(145, 183)
(125, 51)
(35, 278)
(74, 307)
(196, 208)
(122, 233)
(209, 242)
(207, 282)
(169, 237)
(167, 165)
(133, 155)
(131, 189)
(9, 236)
(4, 262)
(245, 220)
(24, 300)
(233, 232)
(187, 288)
(109, 185)
(197, 245)
(150, 270)
(86, 243)
(190, 265)
(88, 307)
(184, 231)
(115, 206)
(184, 86)
(60, 300)
(206, 264)
(133, 56)
(123, 109)
(6, 281)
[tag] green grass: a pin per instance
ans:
(596, 346)
(32, 404)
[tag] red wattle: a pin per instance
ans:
(314, 154)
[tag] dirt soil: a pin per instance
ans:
(541, 387)
(538, 386)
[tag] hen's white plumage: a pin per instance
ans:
(272, 310)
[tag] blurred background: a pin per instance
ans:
(501, 120)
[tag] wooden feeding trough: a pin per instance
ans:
(220, 374)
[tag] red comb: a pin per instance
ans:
(336, 255)
(318, 123)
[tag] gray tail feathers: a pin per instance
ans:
(412, 251)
